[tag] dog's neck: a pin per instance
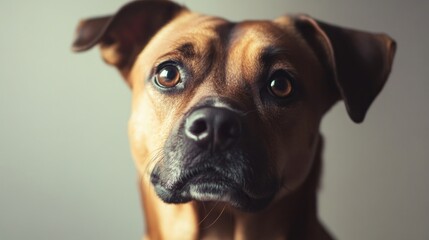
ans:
(293, 217)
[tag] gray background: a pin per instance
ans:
(65, 167)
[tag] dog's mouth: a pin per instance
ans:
(208, 184)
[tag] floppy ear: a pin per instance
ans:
(123, 35)
(359, 62)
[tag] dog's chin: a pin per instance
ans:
(203, 188)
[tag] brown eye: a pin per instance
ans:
(168, 76)
(280, 85)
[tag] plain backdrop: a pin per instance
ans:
(65, 167)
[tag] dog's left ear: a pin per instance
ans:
(360, 62)
(123, 35)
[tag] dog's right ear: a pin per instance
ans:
(123, 35)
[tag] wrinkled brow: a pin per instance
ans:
(271, 54)
(187, 50)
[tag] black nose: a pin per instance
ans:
(213, 128)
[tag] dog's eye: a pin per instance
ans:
(280, 85)
(168, 76)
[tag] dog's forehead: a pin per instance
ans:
(201, 36)
(247, 39)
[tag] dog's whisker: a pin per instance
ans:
(157, 156)
(150, 164)
(218, 217)
(284, 185)
(249, 112)
(208, 214)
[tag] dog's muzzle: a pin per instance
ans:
(213, 155)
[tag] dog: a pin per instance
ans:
(225, 116)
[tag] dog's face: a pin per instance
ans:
(227, 111)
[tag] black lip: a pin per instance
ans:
(207, 180)
(194, 176)
(210, 181)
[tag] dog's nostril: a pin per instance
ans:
(198, 127)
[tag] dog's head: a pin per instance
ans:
(230, 112)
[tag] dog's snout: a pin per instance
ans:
(213, 128)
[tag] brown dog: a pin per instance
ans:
(225, 116)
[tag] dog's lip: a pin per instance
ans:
(205, 174)
(202, 184)
(209, 184)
